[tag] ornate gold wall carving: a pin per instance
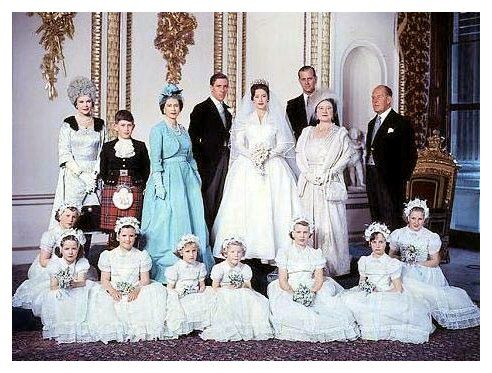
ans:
(113, 70)
(175, 31)
(314, 40)
(54, 28)
(325, 49)
(218, 41)
(96, 35)
(304, 52)
(232, 57)
(128, 63)
(243, 55)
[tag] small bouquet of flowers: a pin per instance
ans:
(259, 155)
(367, 286)
(236, 279)
(409, 254)
(64, 278)
(303, 295)
(124, 287)
(188, 289)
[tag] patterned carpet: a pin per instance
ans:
(28, 344)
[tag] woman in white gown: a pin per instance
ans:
(260, 195)
(322, 154)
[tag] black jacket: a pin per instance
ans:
(296, 112)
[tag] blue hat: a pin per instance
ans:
(169, 90)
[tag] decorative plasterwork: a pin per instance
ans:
(175, 32)
(243, 55)
(96, 37)
(113, 70)
(54, 28)
(128, 64)
(325, 49)
(218, 41)
(232, 57)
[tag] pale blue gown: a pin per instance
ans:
(164, 222)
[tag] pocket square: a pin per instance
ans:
(390, 130)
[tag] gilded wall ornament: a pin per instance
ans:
(55, 27)
(175, 31)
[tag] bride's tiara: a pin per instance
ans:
(260, 81)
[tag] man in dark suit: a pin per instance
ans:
(210, 123)
(297, 107)
(390, 159)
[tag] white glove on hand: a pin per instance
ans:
(313, 178)
(73, 167)
(160, 192)
(89, 181)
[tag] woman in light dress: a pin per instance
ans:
(260, 195)
(127, 305)
(64, 307)
(419, 248)
(173, 204)
(189, 301)
(382, 306)
(29, 294)
(238, 312)
(322, 153)
(323, 317)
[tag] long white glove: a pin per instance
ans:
(89, 181)
(160, 191)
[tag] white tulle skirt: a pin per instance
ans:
(451, 307)
(390, 315)
(191, 312)
(239, 314)
(64, 315)
(141, 319)
(328, 319)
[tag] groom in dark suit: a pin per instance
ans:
(210, 123)
(297, 107)
(390, 160)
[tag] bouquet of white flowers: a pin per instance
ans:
(188, 289)
(124, 287)
(236, 278)
(303, 295)
(367, 286)
(409, 254)
(64, 278)
(259, 154)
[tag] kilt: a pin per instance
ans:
(109, 212)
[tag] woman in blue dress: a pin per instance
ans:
(173, 204)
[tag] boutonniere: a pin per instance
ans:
(391, 130)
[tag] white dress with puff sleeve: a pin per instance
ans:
(237, 314)
(327, 319)
(451, 306)
(64, 311)
(140, 319)
(383, 314)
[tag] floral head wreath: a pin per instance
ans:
(81, 86)
(260, 81)
(233, 240)
(185, 240)
(169, 90)
(77, 233)
(421, 203)
(376, 227)
(66, 205)
(299, 220)
(127, 220)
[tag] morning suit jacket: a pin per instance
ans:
(296, 112)
(138, 166)
(393, 149)
(209, 137)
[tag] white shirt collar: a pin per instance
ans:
(384, 114)
(216, 102)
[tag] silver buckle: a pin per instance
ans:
(123, 172)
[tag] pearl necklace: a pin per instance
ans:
(173, 128)
(84, 121)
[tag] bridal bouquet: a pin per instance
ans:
(64, 278)
(124, 287)
(303, 295)
(259, 155)
(409, 254)
(188, 289)
(236, 279)
(367, 286)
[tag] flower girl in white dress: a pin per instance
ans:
(239, 313)
(382, 308)
(64, 307)
(303, 304)
(30, 293)
(189, 301)
(127, 306)
(419, 249)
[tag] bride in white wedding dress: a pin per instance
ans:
(260, 197)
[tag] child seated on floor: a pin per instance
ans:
(419, 249)
(238, 313)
